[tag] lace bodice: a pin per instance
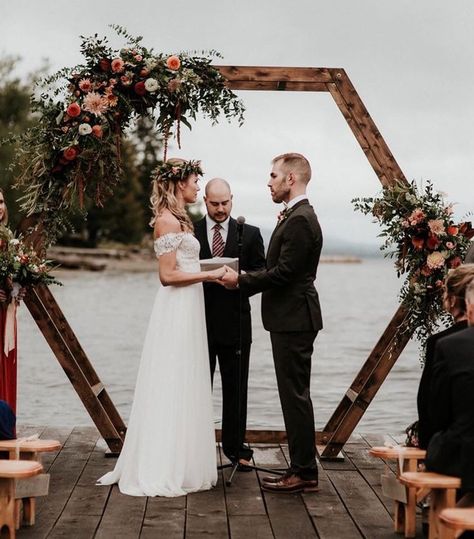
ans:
(186, 246)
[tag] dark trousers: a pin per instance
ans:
(233, 423)
(292, 353)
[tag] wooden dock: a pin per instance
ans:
(349, 504)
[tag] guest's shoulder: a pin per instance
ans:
(461, 339)
(251, 229)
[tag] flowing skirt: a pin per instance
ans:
(169, 447)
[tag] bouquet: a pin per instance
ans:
(20, 265)
(421, 235)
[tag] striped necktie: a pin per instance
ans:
(217, 241)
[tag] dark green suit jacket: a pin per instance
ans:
(289, 298)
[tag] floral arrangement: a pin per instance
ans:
(20, 266)
(166, 171)
(74, 151)
(425, 242)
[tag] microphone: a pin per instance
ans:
(240, 232)
(240, 220)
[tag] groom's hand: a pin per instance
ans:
(230, 278)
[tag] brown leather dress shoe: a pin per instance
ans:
(291, 483)
(275, 478)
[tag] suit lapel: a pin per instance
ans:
(231, 247)
(201, 234)
(280, 225)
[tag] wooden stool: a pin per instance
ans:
(443, 495)
(404, 516)
(458, 519)
(29, 450)
(11, 470)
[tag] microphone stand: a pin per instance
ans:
(235, 465)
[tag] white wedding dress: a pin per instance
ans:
(169, 447)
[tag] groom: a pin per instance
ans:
(291, 312)
(229, 330)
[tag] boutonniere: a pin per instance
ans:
(284, 214)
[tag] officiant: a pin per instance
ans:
(217, 233)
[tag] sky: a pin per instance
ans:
(411, 63)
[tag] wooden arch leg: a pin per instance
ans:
(7, 507)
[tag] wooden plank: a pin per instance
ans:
(354, 126)
(275, 74)
(367, 126)
(65, 472)
(368, 513)
(206, 512)
(164, 517)
(45, 320)
(329, 514)
(249, 526)
(278, 86)
(368, 382)
(123, 516)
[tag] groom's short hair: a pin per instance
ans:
(296, 163)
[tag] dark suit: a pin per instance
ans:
(426, 428)
(291, 312)
(222, 319)
(451, 449)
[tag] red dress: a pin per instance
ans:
(7, 364)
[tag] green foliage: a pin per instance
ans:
(73, 153)
(420, 234)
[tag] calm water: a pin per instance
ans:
(109, 313)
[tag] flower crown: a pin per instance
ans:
(166, 171)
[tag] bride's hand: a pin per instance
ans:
(215, 275)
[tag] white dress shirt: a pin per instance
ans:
(295, 200)
(210, 230)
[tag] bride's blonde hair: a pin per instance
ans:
(165, 185)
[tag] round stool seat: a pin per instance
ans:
(429, 480)
(17, 469)
(384, 452)
(27, 446)
(458, 518)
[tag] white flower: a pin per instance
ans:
(151, 85)
(85, 129)
(150, 63)
(15, 290)
(14, 241)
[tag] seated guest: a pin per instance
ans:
(454, 303)
(451, 448)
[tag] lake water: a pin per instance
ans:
(109, 312)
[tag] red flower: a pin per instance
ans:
(73, 110)
(426, 271)
(104, 64)
(140, 88)
(173, 62)
(97, 131)
(417, 242)
(455, 262)
(70, 153)
(452, 230)
(56, 169)
(432, 242)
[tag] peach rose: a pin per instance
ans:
(117, 65)
(437, 226)
(97, 131)
(416, 216)
(173, 63)
(73, 110)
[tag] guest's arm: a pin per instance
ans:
(255, 259)
(440, 390)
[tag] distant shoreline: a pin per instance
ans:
(134, 259)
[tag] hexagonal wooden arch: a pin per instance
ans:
(357, 398)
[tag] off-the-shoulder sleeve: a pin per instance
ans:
(167, 243)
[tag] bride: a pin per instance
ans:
(169, 448)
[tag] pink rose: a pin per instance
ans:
(173, 63)
(73, 110)
(117, 65)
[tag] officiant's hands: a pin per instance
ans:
(229, 279)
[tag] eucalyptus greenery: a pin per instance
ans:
(74, 150)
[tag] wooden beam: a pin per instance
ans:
(279, 86)
(275, 74)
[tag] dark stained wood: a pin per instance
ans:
(279, 86)
(366, 384)
(275, 74)
(348, 505)
(367, 126)
(63, 342)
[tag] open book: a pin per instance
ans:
(219, 261)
